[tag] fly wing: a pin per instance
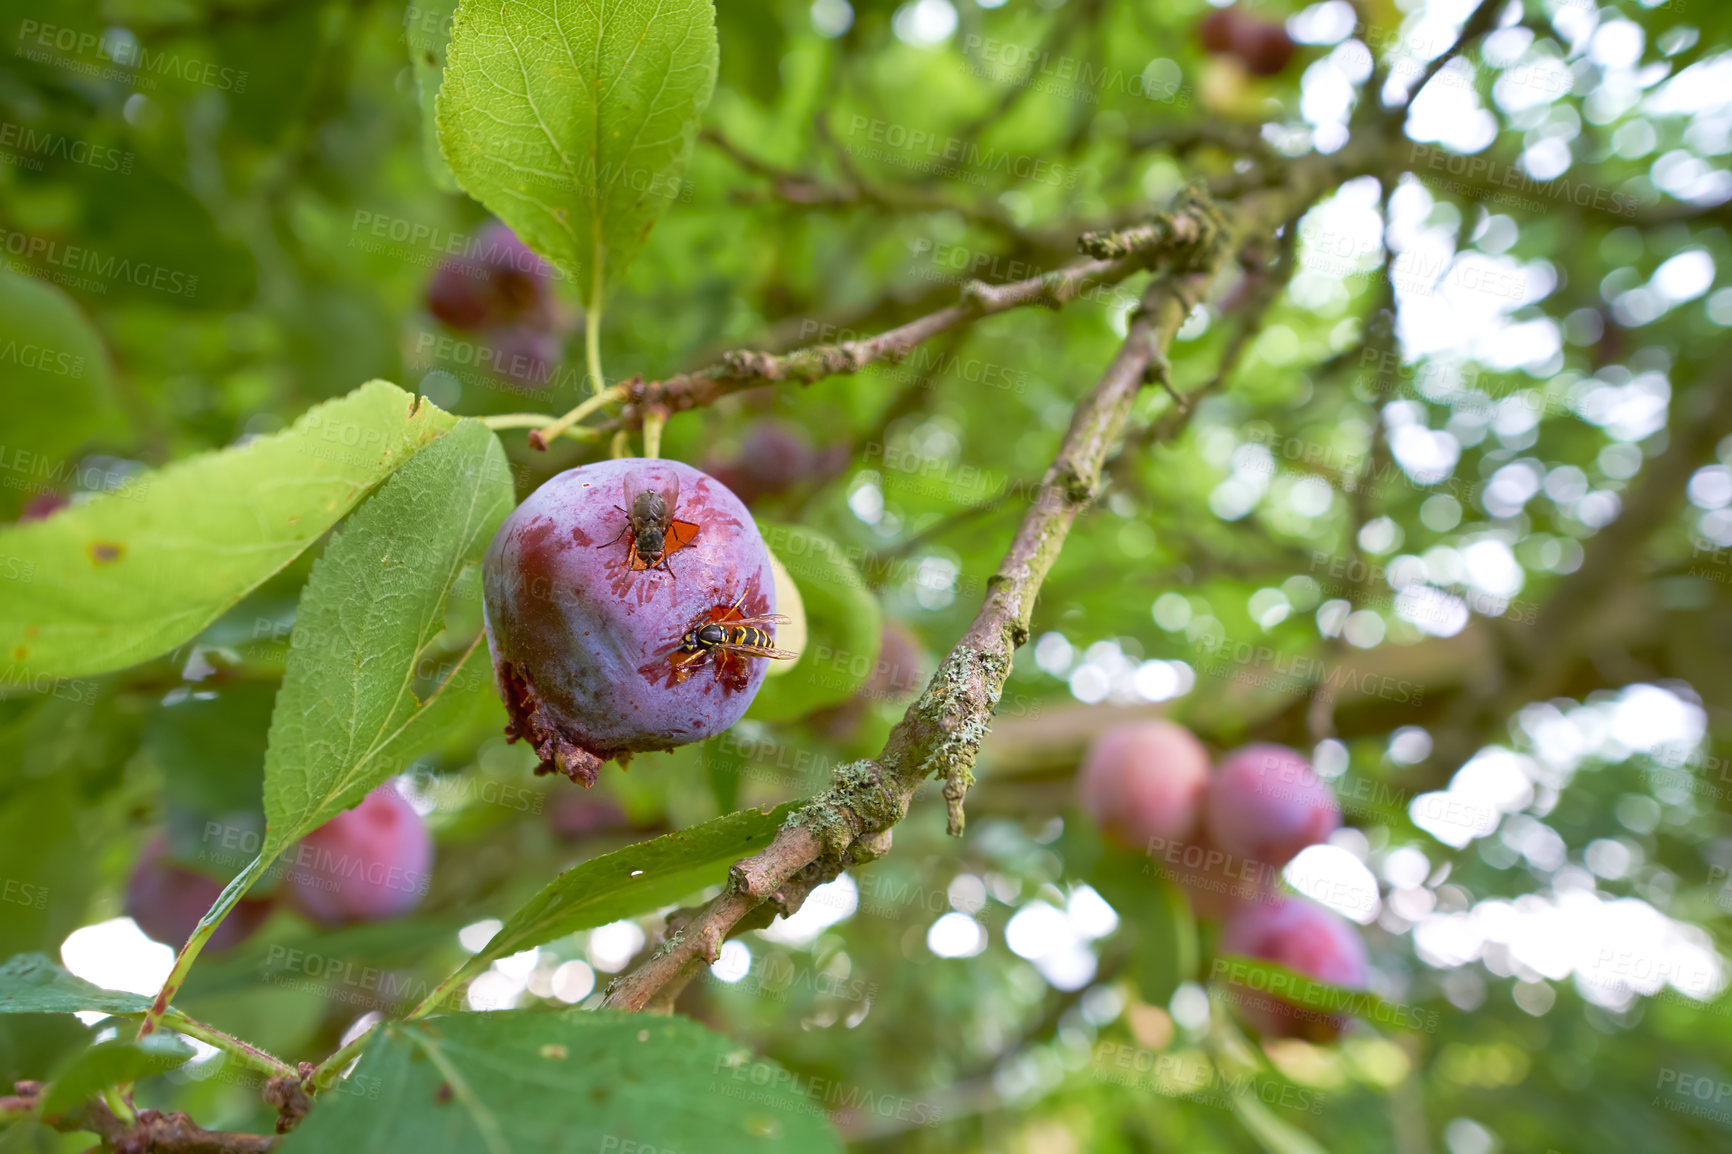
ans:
(679, 535)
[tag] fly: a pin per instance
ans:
(651, 530)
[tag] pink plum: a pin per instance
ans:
(1144, 780)
(369, 864)
(1265, 804)
(1303, 937)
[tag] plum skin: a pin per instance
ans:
(369, 864)
(168, 901)
(1265, 48)
(1266, 804)
(503, 282)
(1143, 781)
(1217, 30)
(580, 641)
(1303, 937)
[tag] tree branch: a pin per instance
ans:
(1483, 19)
(745, 369)
(941, 733)
(173, 1133)
(808, 191)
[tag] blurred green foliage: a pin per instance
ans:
(236, 197)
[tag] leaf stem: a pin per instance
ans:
(592, 332)
(440, 993)
(226, 901)
(652, 434)
(247, 1052)
(553, 427)
(328, 1070)
(621, 444)
(534, 421)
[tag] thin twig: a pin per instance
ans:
(744, 369)
(1484, 18)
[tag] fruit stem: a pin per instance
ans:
(652, 434)
(122, 1108)
(247, 1052)
(226, 901)
(621, 444)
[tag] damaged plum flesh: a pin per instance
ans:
(582, 643)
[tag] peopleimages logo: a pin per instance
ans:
(957, 155)
(36, 38)
(74, 258)
(1483, 170)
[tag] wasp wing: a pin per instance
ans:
(754, 650)
(764, 619)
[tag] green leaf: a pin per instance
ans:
(46, 869)
(110, 1063)
(572, 1082)
(135, 573)
(33, 1044)
(348, 715)
(34, 984)
(1308, 993)
(211, 748)
(573, 122)
(1273, 1134)
(427, 27)
(57, 387)
(844, 626)
(1164, 932)
(635, 879)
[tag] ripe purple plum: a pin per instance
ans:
(167, 900)
(1265, 804)
(525, 354)
(582, 643)
(369, 864)
(1263, 46)
(1218, 30)
(1303, 937)
(579, 816)
(501, 281)
(775, 456)
(1145, 780)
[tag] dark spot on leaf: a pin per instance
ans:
(443, 1094)
(104, 552)
(599, 1094)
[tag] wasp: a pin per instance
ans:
(725, 637)
(650, 527)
